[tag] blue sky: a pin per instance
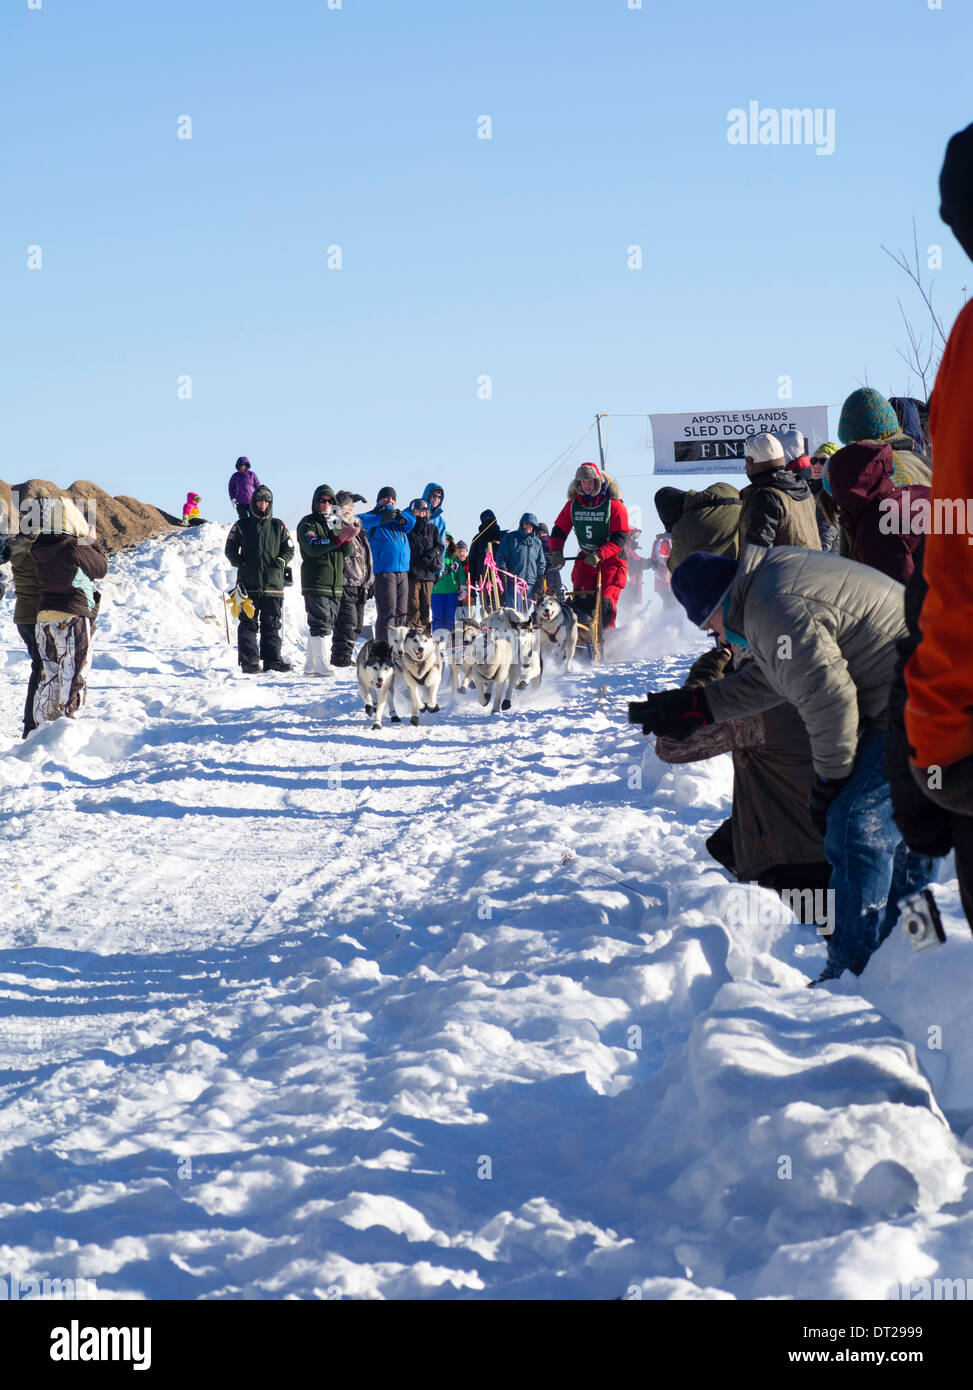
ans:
(461, 257)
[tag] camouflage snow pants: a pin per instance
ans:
(65, 650)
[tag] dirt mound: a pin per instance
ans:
(120, 521)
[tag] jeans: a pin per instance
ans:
(871, 866)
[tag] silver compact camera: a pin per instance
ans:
(921, 921)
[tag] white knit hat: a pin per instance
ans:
(793, 443)
(763, 451)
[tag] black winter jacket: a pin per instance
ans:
(426, 549)
(260, 547)
(489, 535)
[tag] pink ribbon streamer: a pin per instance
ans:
(490, 568)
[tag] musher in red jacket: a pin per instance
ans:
(596, 513)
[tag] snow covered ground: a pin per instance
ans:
(292, 1008)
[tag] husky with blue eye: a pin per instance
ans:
(376, 675)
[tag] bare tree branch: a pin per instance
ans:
(922, 361)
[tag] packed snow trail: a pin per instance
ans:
(291, 1007)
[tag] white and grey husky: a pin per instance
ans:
(419, 662)
(560, 625)
(526, 664)
(487, 662)
(376, 677)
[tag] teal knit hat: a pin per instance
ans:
(866, 414)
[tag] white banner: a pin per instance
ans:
(713, 442)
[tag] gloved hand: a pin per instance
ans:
(397, 515)
(348, 532)
(238, 600)
(370, 590)
(823, 792)
(672, 713)
(556, 560)
(711, 666)
(357, 497)
(590, 558)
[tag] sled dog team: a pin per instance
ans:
(497, 656)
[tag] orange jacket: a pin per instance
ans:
(939, 674)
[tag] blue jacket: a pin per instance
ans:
(523, 554)
(388, 539)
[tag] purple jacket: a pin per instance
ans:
(878, 515)
(243, 486)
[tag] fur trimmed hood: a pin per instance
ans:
(591, 470)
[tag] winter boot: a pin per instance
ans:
(317, 658)
(250, 668)
(277, 665)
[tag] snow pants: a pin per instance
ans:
(322, 610)
(871, 868)
(65, 652)
(614, 575)
(268, 621)
(391, 601)
(443, 611)
(420, 596)
(348, 624)
(29, 639)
